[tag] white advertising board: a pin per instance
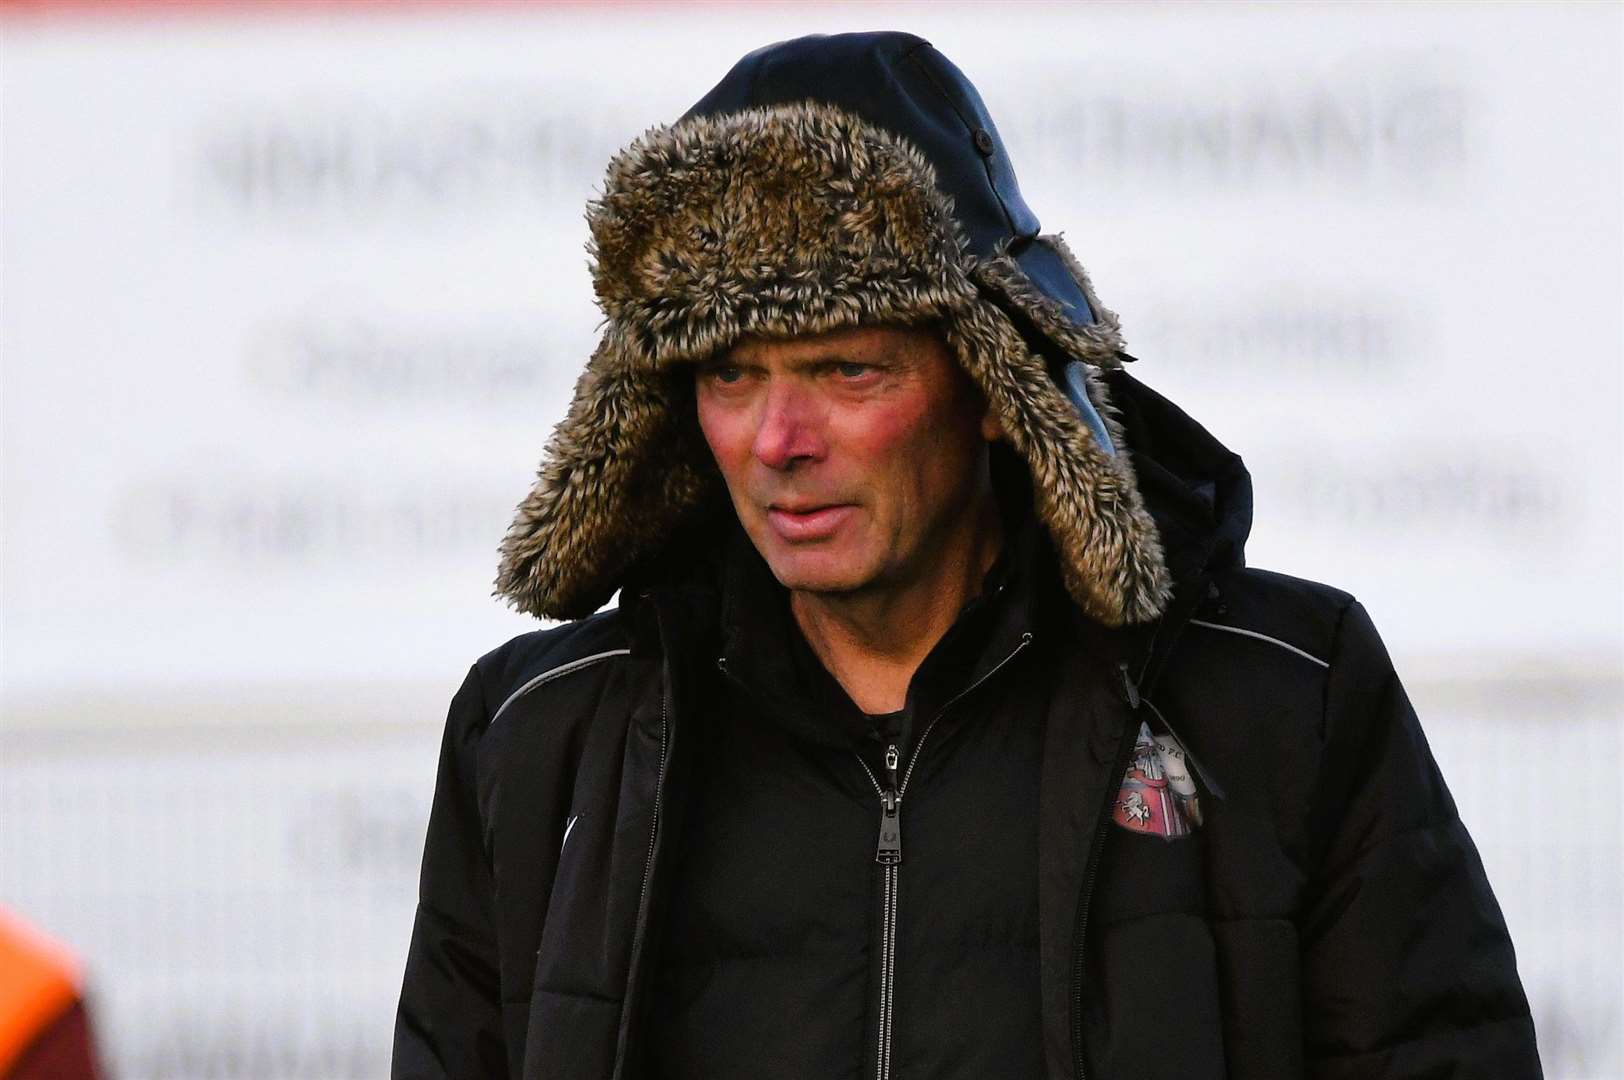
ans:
(291, 296)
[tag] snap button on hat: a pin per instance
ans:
(984, 143)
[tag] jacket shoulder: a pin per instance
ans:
(519, 663)
(1294, 613)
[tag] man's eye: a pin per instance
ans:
(851, 370)
(726, 373)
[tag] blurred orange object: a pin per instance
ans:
(44, 1031)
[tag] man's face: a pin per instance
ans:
(849, 455)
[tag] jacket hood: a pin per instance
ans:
(800, 216)
(1196, 489)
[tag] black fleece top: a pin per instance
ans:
(770, 963)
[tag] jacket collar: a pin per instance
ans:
(764, 651)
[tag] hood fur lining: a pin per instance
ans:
(791, 220)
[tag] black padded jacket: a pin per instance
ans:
(1329, 917)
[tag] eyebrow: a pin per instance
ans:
(810, 360)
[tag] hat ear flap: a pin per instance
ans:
(1109, 550)
(618, 473)
(1098, 342)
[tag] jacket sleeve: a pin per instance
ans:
(449, 1024)
(1408, 970)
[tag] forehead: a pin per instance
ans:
(852, 343)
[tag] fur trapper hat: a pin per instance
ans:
(795, 218)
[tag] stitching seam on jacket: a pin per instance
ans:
(1330, 677)
(554, 673)
(1262, 637)
(488, 865)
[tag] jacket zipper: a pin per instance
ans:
(888, 853)
(1084, 900)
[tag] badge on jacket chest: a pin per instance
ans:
(1157, 795)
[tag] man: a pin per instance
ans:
(940, 729)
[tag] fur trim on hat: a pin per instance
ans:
(789, 220)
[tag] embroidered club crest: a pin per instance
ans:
(1157, 795)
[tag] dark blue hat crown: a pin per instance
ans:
(899, 82)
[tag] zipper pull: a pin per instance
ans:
(1128, 686)
(889, 852)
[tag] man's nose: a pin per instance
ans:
(789, 429)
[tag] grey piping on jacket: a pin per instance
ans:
(1261, 637)
(553, 673)
(567, 830)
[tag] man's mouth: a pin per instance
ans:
(803, 522)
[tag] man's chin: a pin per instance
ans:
(819, 573)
